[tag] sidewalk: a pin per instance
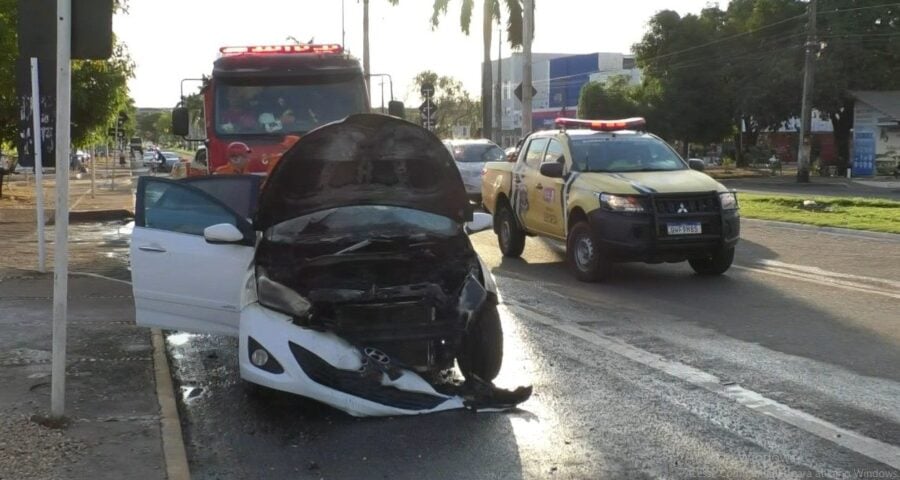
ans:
(111, 399)
(111, 402)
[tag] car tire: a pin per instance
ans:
(510, 235)
(716, 264)
(583, 254)
(482, 348)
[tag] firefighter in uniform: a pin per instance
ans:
(238, 159)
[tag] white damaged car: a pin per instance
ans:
(349, 278)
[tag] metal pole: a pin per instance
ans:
(343, 27)
(366, 67)
(61, 248)
(112, 182)
(38, 164)
(498, 114)
(806, 111)
(93, 169)
(528, 32)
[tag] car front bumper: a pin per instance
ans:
(325, 367)
(643, 237)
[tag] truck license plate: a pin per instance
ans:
(684, 229)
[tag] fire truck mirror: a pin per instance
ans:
(396, 109)
(180, 121)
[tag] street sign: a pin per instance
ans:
(428, 113)
(428, 110)
(519, 92)
(427, 90)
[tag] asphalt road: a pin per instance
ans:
(786, 367)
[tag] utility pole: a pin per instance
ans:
(498, 113)
(528, 33)
(812, 45)
(367, 70)
(61, 247)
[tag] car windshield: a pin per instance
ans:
(476, 153)
(620, 154)
(285, 108)
(363, 221)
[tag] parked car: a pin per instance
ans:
(199, 165)
(343, 286)
(172, 159)
(470, 157)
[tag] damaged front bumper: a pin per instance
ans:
(362, 382)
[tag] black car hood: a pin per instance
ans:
(365, 159)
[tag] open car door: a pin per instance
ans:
(181, 281)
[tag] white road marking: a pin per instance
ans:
(872, 285)
(869, 447)
(828, 273)
(97, 275)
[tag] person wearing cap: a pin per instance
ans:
(238, 159)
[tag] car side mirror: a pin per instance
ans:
(552, 169)
(480, 222)
(696, 164)
(181, 121)
(396, 109)
(223, 233)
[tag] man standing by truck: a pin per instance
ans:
(238, 160)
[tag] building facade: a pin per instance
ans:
(558, 79)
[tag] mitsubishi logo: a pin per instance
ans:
(682, 208)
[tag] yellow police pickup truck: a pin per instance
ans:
(613, 193)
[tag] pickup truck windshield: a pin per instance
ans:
(621, 155)
(280, 109)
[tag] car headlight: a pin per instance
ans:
(728, 200)
(622, 203)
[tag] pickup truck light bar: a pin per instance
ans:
(636, 123)
(282, 49)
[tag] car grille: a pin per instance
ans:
(701, 208)
(684, 205)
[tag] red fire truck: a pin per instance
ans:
(261, 95)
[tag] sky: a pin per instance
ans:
(170, 40)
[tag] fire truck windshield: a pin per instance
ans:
(284, 107)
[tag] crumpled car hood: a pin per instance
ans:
(365, 159)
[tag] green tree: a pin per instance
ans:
(455, 107)
(492, 11)
(613, 99)
(859, 51)
(689, 100)
(9, 108)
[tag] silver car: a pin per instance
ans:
(470, 157)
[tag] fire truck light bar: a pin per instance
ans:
(636, 123)
(276, 49)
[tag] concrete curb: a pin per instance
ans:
(170, 424)
(833, 230)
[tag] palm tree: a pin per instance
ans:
(491, 10)
(366, 70)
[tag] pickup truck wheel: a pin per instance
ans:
(586, 260)
(509, 235)
(482, 348)
(715, 264)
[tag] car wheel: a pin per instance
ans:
(715, 264)
(482, 349)
(583, 253)
(509, 234)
